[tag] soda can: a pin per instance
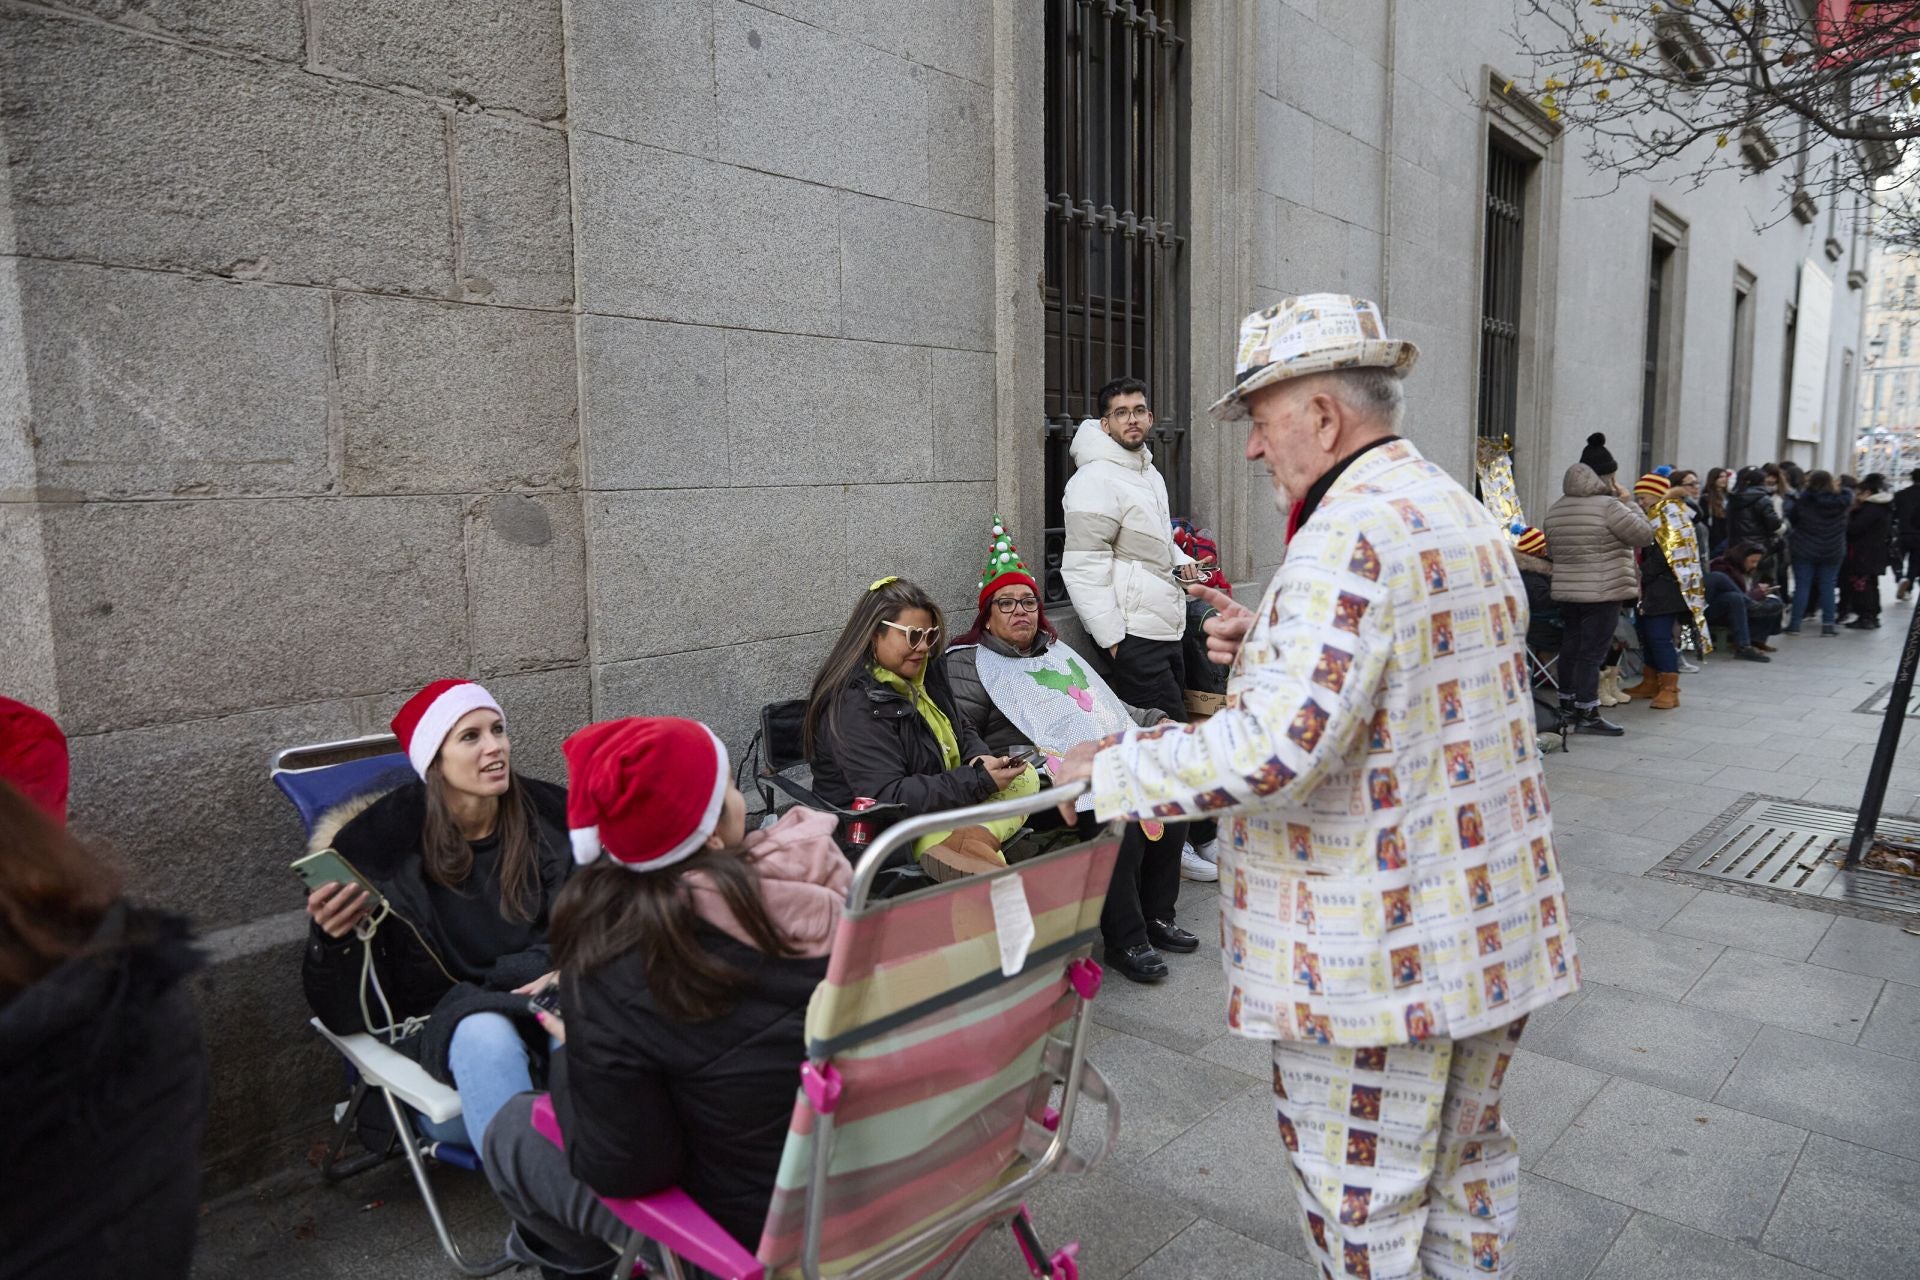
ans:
(860, 830)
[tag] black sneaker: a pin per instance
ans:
(1828, 629)
(1138, 964)
(1171, 937)
(1590, 721)
(1751, 654)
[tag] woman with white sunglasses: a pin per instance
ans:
(882, 724)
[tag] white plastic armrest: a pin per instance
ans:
(387, 1068)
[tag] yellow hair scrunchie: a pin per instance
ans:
(887, 581)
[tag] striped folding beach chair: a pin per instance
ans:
(949, 1023)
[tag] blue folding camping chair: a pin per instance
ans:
(319, 779)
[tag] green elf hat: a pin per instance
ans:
(1004, 564)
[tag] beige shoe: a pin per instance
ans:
(1609, 686)
(970, 851)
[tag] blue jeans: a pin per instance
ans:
(1656, 633)
(489, 1063)
(1807, 577)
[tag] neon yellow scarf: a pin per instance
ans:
(936, 720)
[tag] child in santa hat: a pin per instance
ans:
(688, 950)
(469, 860)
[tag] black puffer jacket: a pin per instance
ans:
(1751, 517)
(417, 957)
(647, 1102)
(105, 1077)
(1659, 589)
(1870, 536)
(874, 743)
(1819, 526)
(970, 696)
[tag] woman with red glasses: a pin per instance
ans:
(881, 723)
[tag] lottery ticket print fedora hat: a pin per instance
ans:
(1313, 333)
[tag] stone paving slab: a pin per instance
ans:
(1895, 1025)
(1645, 1038)
(1209, 1249)
(1837, 1089)
(1541, 1098)
(1659, 964)
(1652, 1248)
(1709, 1167)
(1752, 924)
(1564, 1231)
(1787, 993)
(1850, 1211)
(1864, 946)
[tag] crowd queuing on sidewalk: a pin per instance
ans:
(1663, 572)
(1368, 740)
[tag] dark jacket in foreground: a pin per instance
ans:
(878, 746)
(1870, 536)
(105, 1077)
(1906, 516)
(649, 1103)
(1819, 523)
(980, 711)
(419, 960)
(1659, 589)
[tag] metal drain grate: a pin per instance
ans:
(1789, 852)
(1877, 704)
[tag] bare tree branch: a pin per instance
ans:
(1710, 86)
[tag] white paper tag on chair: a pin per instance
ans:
(1013, 921)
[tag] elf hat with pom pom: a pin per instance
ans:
(429, 716)
(1004, 565)
(647, 791)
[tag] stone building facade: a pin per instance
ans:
(604, 350)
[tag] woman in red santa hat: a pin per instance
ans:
(469, 861)
(687, 955)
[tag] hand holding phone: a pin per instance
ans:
(338, 897)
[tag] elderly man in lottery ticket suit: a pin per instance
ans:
(1391, 904)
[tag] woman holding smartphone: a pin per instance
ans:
(467, 863)
(881, 723)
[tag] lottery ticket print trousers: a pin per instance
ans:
(1400, 1158)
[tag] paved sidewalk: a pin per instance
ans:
(1734, 1096)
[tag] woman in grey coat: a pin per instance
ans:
(1593, 531)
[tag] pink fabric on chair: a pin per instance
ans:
(670, 1218)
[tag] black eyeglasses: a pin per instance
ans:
(917, 637)
(1019, 604)
(1138, 412)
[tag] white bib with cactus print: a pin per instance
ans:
(1055, 698)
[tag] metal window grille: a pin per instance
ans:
(1116, 298)
(1503, 259)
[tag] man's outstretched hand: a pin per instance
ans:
(1227, 628)
(1075, 766)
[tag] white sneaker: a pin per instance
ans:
(1210, 850)
(1195, 867)
(1687, 668)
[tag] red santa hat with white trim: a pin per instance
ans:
(647, 791)
(429, 716)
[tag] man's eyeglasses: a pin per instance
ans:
(917, 637)
(1139, 413)
(1019, 604)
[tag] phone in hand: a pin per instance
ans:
(546, 1001)
(326, 867)
(1024, 755)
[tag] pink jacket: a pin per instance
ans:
(803, 882)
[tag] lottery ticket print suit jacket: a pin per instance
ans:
(1390, 874)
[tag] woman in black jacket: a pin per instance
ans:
(882, 724)
(101, 1060)
(1818, 514)
(687, 956)
(468, 861)
(1869, 551)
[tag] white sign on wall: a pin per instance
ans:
(1812, 322)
